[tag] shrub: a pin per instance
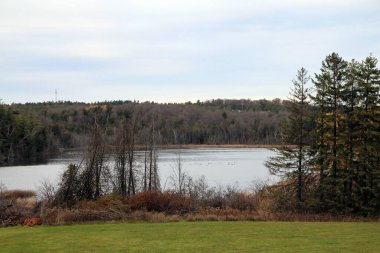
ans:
(17, 194)
(241, 201)
(167, 202)
(49, 216)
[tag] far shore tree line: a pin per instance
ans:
(330, 158)
(32, 132)
(22, 137)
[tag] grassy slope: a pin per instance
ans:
(195, 237)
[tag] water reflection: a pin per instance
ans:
(219, 165)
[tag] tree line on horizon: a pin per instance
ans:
(65, 125)
(22, 137)
(333, 163)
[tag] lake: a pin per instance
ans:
(220, 166)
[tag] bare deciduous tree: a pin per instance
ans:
(178, 176)
(47, 191)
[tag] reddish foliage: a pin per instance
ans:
(34, 221)
(168, 202)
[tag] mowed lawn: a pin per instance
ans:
(195, 237)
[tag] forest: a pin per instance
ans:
(32, 131)
(333, 164)
(23, 138)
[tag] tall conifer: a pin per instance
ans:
(329, 88)
(292, 158)
(369, 171)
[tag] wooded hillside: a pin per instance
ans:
(69, 124)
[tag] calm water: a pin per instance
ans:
(220, 166)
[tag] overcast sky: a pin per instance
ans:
(174, 50)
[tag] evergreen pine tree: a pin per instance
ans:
(291, 160)
(349, 133)
(329, 147)
(369, 178)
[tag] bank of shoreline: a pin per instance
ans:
(195, 146)
(188, 146)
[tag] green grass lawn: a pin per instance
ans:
(195, 237)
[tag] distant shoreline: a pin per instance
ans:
(188, 146)
(194, 146)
